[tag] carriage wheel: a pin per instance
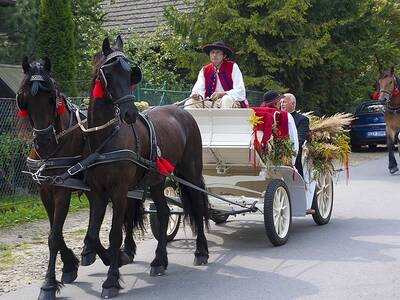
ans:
(277, 212)
(323, 199)
(174, 221)
(217, 218)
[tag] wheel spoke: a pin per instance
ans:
(276, 222)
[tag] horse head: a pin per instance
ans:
(388, 87)
(37, 98)
(115, 75)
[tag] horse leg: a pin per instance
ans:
(92, 245)
(392, 160)
(160, 262)
(198, 211)
(56, 242)
(112, 286)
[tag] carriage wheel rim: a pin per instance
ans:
(324, 196)
(281, 212)
(173, 221)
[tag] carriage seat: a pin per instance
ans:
(226, 135)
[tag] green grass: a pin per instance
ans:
(22, 209)
(6, 256)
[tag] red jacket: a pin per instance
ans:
(224, 74)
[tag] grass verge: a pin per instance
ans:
(22, 209)
(6, 256)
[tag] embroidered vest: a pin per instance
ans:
(224, 74)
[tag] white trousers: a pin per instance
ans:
(223, 102)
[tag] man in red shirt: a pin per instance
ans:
(220, 83)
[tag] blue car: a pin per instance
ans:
(369, 126)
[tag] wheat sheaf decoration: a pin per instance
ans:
(328, 142)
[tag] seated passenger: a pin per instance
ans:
(273, 99)
(220, 83)
(302, 125)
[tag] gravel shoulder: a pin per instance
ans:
(24, 251)
(23, 248)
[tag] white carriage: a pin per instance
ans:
(278, 192)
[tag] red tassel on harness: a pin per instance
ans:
(98, 89)
(164, 166)
(167, 165)
(22, 113)
(395, 92)
(60, 109)
(161, 168)
(375, 95)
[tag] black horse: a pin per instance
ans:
(178, 140)
(57, 139)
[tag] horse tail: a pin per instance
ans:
(194, 201)
(139, 215)
(134, 214)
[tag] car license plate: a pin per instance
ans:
(376, 133)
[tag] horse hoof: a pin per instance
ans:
(47, 294)
(200, 260)
(88, 259)
(109, 293)
(157, 271)
(69, 277)
(393, 170)
(124, 259)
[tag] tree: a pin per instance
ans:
(56, 40)
(18, 31)
(321, 50)
(88, 17)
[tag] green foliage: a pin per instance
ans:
(16, 210)
(88, 17)
(56, 40)
(156, 55)
(18, 31)
(12, 159)
(322, 51)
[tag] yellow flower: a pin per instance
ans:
(254, 119)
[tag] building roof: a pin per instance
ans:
(7, 2)
(140, 16)
(12, 76)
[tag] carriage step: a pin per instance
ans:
(310, 211)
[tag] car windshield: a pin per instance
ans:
(371, 108)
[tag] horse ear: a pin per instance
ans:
(25, 64)
(119, 44)
(106, 47)
(47, 64)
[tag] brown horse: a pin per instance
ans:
(389, 94)
(58, 141)
(179, 141)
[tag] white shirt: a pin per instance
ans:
(238, 92)
(293, 136)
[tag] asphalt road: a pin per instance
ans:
(355, 256)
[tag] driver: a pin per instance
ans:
(220, 83)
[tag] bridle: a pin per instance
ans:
(393, 93)
(50, 131)
(120, 58)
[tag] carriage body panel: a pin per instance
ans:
(228, 166)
